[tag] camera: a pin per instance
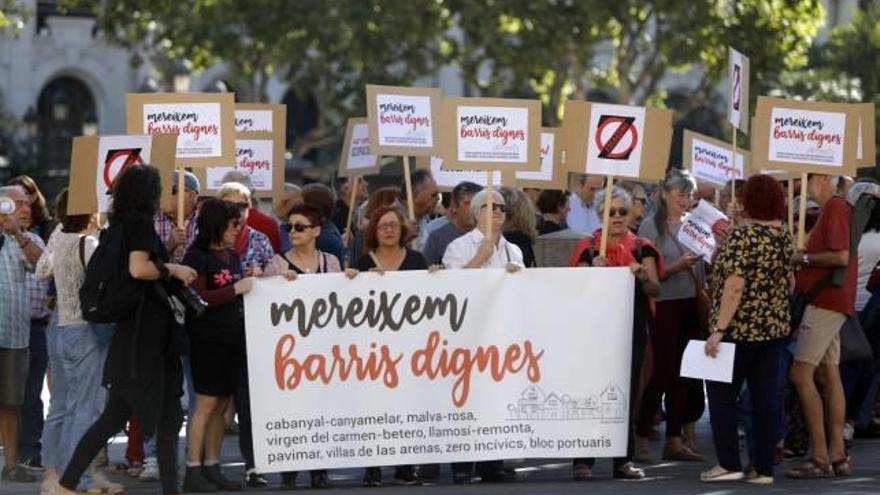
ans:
(190, 299)
(7, 206)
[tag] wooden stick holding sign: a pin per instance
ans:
(802, 219)
(490, 204)
(181, 193)
(351, 205)
(407, 176)
(791, 204)
(606, 216)
(733, 173)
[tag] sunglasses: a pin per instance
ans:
(618, 212)
(300, 227)
(244, 205)
(498, 207)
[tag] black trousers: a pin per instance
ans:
(112, 420)
(756, 364)
(242, 399)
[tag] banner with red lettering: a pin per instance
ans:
(459, 365)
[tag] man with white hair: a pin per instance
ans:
(19, 252)
(474, 249)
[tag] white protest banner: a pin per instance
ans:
(96, 162)
(402, 121)
(357, 157)
(738, 78)
(447, 179)
(696, 232)
(204, 123)
(491, 134)
(415, 367)
(711, 160)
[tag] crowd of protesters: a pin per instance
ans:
(800, 388)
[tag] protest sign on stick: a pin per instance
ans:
(805, 137)
(260, 145)
(738, 104)
(447, 179)
(491, 134)
(357, 159)
(697, 232)
(552, 174)
(404, 122)
(711, 160)
(96, 162)
(204, 123)
(616, 141)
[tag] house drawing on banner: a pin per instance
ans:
(534, 403)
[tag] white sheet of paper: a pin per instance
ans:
(696, 364)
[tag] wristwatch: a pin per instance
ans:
(806, 259)
(719, 330)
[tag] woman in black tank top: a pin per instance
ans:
(304, 258)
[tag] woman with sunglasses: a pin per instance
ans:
(385, 242)
(304, 226)
(623, 249)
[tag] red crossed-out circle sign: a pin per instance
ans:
(117, 161)
(614, 146)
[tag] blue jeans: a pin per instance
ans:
(83, 361)
(32, 408)
(58, 414)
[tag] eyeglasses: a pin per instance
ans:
(618, 212)
(300, 227)
(497, 207)
(388, 226)
(244, 205)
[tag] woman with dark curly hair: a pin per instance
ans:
(750, 284)
(142, 373)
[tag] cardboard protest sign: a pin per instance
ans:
(616, 140)
(357, 158)
(491, 134)
(696, 233)
(738, 78)
(552, 174)
(447, 179)
(866, 154)
(259, 150)
(204, 123)
(403, 121)
(260, 118)
(711, 160)
(96, 161)
(805, 137)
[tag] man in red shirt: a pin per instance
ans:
(818, 338)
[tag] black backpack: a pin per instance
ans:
(108, 292)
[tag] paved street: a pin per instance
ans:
(554, 476)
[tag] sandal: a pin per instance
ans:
(812, 469)
(718, 474)
(842, 467)
(628, 471)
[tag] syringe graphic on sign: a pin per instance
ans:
(737, 87)
(623, 139)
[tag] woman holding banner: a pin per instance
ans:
(676, 307)
(624, 249)
(150, 385)
(217, 340)
(751, 279)
(304, 225)
(385, 241)
(484, 247)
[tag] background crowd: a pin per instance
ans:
(804, 320)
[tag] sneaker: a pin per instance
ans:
(151, 470)
(629, 471)
(407, 476)
(254, 479)
(32, 464)
(194, 481)
(17, 475)
(213, 474)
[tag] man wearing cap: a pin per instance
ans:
(175, 237)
